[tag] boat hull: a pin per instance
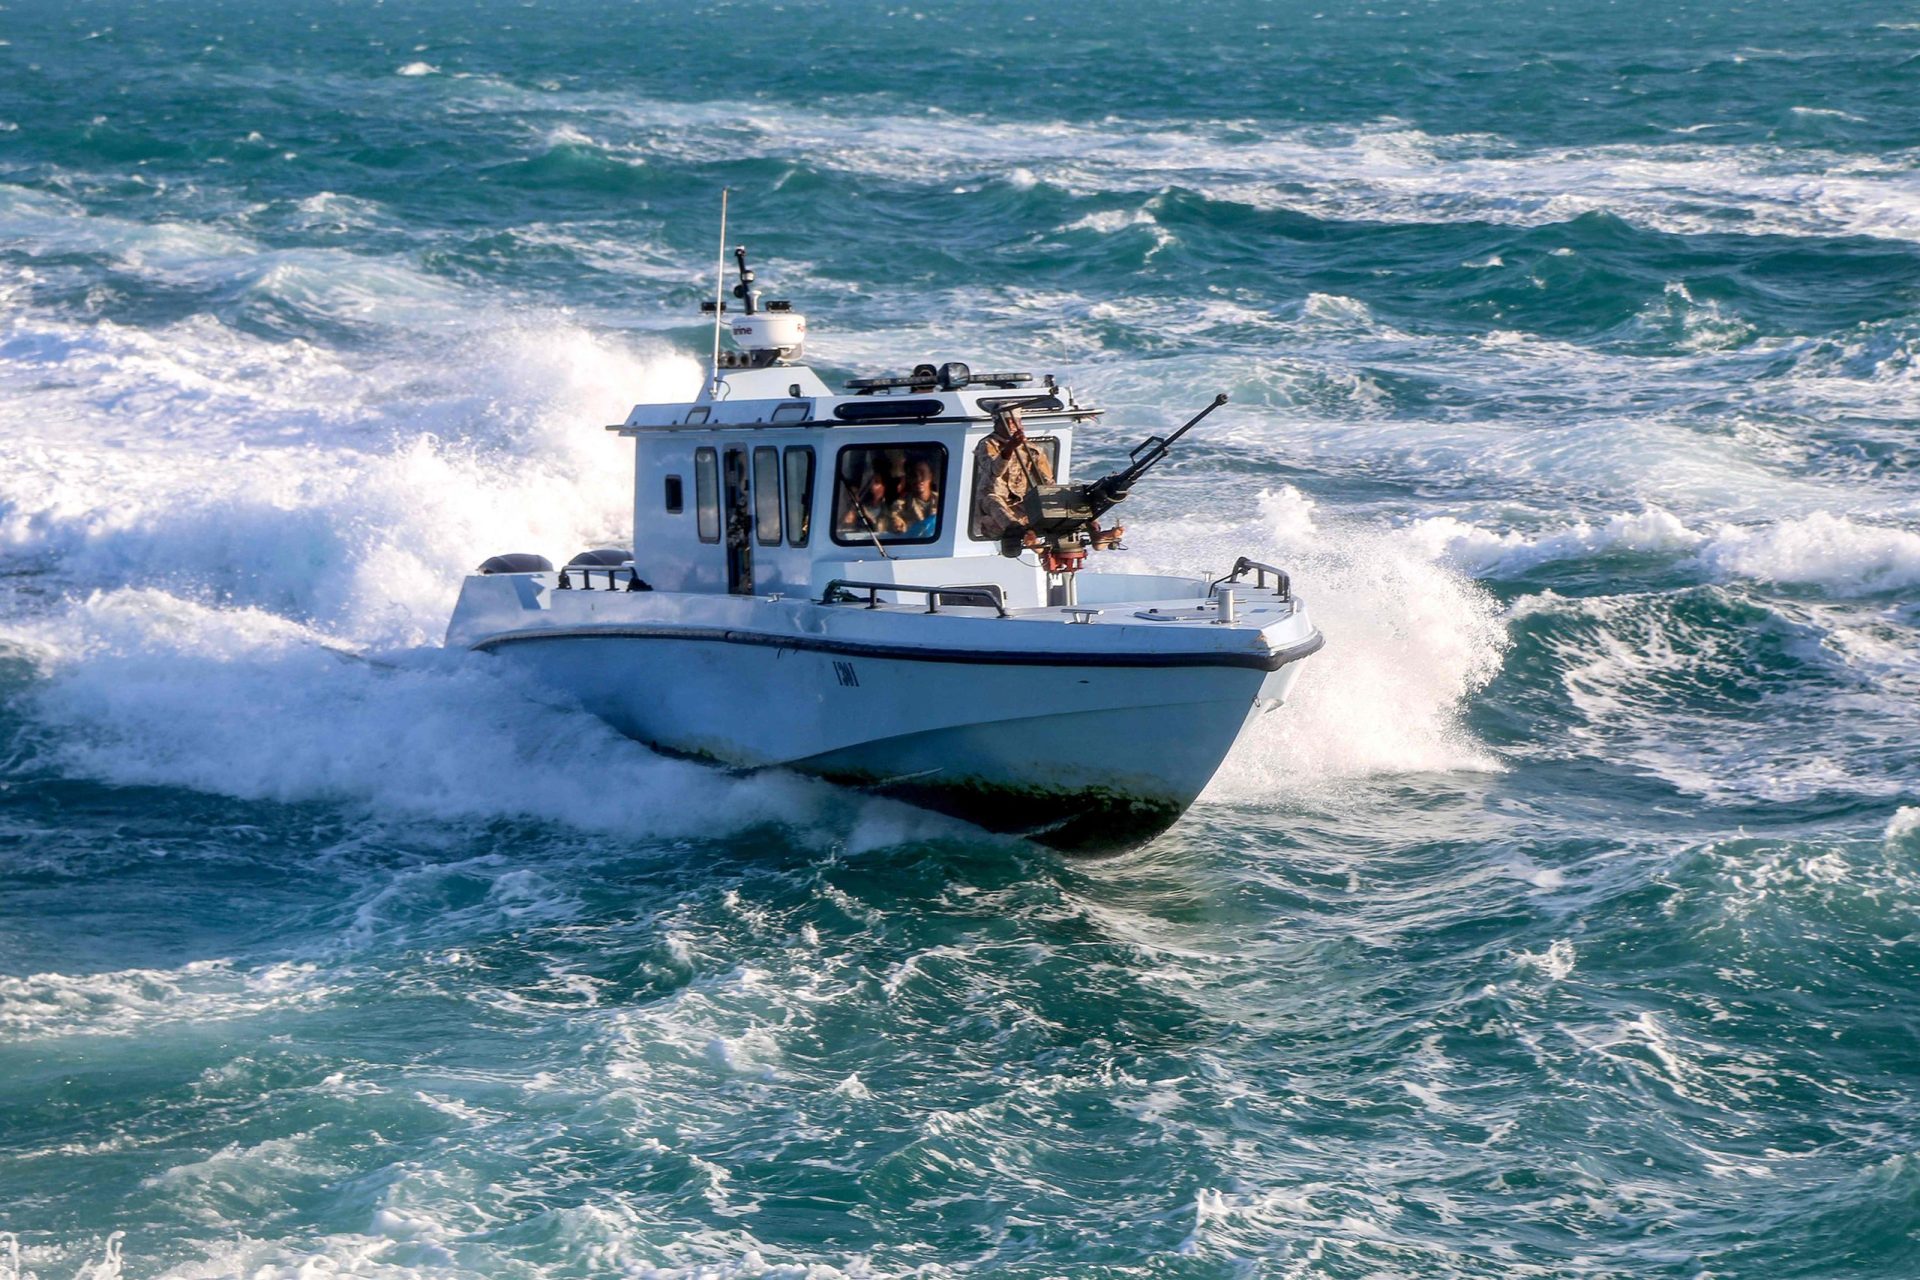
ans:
(1087, 782)
(1091, 754)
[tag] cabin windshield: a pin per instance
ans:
(895, 493)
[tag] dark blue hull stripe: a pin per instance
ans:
(916, 653)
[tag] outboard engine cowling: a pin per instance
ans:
(516, 562)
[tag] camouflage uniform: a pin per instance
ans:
(1002, 474)
(911, 513)
(884, 518)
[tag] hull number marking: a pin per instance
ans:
(843, 672)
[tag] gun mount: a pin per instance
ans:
(1065, 518)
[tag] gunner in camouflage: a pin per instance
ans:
(1005, 466)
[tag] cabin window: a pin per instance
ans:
(895, 493)
(766, 495)
(676, 496)
(1049, 447)
(697, 415)
(795, 411)
(799, 494)
(706, 494)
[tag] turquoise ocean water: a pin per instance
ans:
(1564, 926)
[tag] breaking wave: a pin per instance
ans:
(1836, 554)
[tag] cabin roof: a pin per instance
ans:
(795, 396)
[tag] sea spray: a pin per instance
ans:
(1410, 640)
(364, 520)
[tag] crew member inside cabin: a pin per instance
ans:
(1005, 466)
(917, 511)
(873, 508)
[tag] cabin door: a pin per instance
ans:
(739, 516)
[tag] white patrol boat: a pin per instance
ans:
(813, 586)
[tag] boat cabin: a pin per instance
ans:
(773, 483)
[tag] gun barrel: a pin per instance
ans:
(1164, 447)
(1219, 399)
(1104, 494)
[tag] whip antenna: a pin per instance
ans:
(719, 304)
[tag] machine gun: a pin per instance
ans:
(1064, 518)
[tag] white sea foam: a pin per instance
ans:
(111, 1263)
(147, 689)
(1321, 399)
(1838, 554)
(283, 476)
(1336, 313)
(1109, 221)
(418, 69)
(753, 1052)
(330, 211)
(1665, 682)
(1556, 962)
(440, 1242)
(1689, 324)
(1487, 552)
(1544, 878)
(253, 1175)
(1408, 640)
(1830, 113)
(124, 1002)
(336, 284)
(1113, 221)
(1903, 825)
(1382, 171)
(1841, 556)
(47, 225)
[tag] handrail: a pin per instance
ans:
(977, 594)
(1283, 585)
(586, 571)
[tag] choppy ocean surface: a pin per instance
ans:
(1564, 926)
